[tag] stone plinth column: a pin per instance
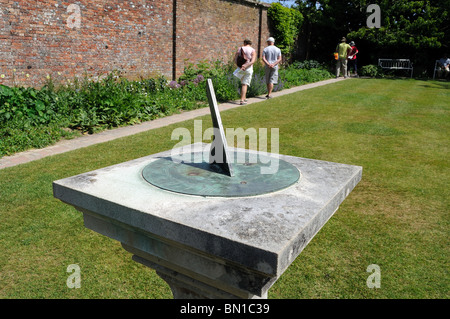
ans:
(210, 247)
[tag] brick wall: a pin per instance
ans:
(65, 39)
(212, 29)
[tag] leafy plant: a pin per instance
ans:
(372, 70)
(307, 65)
(293, 76)
(37, 117)
(285, 23)
(225, 84)
(25, 103)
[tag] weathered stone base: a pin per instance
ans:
(184, 287)
(210, 247)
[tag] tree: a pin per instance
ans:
(418, 29)
(408, 24)
(285, 24)
(326, 21)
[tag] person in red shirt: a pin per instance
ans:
(352, 59)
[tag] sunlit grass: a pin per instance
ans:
(397, 217)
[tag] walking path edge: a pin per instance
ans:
(109, 135)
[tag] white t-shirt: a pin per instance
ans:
(271, 53)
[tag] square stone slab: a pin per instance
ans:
(237, 245)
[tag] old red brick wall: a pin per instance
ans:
(212, 29)
(65, 39)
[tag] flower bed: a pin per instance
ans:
(34, 118)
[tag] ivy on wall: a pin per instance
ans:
(285, 24)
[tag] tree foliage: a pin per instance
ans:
(285, 24)
(411, 24)
(418, 30)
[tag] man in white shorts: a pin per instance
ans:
(271, 57)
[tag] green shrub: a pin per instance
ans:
(372, 70)
(19, 136)
(307, 65)
(111, 102)
(285, 23)
(36, 118)
(29, 104)
(226, 87)
(220, 73)
(293, 76)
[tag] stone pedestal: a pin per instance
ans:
(210, 247)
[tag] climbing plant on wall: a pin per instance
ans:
(285, 24)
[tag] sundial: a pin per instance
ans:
(225, 173)
(215, 225)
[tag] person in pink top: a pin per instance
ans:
(246, 71)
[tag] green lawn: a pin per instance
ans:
(397, 217)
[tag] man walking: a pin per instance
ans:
(343, 49)
(271, 57)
